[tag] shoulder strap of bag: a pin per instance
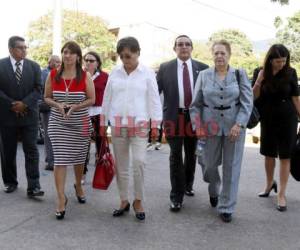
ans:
(237, 75)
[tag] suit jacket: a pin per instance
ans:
(168, 84)
(211, 92)
(28, 91)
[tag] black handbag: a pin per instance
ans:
(255, 116)
(295, 159)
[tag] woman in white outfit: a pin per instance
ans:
(131, 98)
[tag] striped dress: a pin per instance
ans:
(69, 137)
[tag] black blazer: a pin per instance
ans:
(168, 84)
(28, 91)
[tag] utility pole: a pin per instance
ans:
(57, 27)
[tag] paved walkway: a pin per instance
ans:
(31, 224)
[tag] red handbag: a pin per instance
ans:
(105, 168)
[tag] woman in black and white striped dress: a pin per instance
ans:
(69, 91)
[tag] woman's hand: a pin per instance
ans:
(260, 77)
(234, 133)
(201, 133)
(257, 84)
(61, 108)
(70, 109)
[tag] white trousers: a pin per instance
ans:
(129, 150)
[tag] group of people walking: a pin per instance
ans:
(211, 104)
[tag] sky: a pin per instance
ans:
(196, 18)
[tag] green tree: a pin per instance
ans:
(289, 35)
(89, 32)
(241, 45)
(202, 52)
(282, 2)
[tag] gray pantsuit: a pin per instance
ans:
(222, 103)
(220, 149)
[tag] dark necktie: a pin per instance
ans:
(186, 86)
(18, 72)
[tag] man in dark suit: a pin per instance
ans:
(20, 89)
(176, 79)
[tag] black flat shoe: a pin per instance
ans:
(139, 215)
(226, 217)
(36, 192)
(189, 192)
(10, 188)
(121, 211)
(175, 206)
(82, 199)
(61, 214)
(213, 201)
(266, 194)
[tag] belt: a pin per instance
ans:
(183, 110)
(220, 107)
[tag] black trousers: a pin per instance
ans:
(8, 149)
(182, 169)
(160, 130)
(96, 137)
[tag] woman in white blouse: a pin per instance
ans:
(131, 98)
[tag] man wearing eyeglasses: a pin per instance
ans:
(20, 87)
(176, 79)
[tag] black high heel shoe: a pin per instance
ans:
(281, 208)
(266, 194)
(121, 211)
(139, 215)
(82, 199)
(61, 214)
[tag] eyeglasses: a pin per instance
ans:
(125, 56)
(187, 44)
(21, 47)
(90, 60)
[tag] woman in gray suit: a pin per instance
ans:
(220, 110)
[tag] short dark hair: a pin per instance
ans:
(175, 42)
(97, 56)
(13, 40)
(130, 43)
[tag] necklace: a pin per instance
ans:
(67, 89)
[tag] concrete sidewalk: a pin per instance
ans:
(31, 224)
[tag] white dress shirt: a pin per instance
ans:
(180, 79)
(131, 99)
(13, 63)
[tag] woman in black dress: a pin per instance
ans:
(277, 98)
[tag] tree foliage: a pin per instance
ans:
(241, 45)
(202, 52)
(89, 32)
(282, 2)
(289, 35)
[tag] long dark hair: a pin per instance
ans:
(74, 48)
(98, 59)
(276, 51)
